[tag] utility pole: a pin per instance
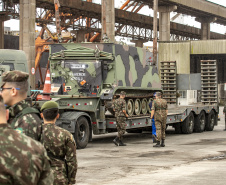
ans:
(155, 34)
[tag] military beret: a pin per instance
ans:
(49, 105)
(14, 76)
(123, 93)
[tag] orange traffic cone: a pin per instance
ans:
(47, 87)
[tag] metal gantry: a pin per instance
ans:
(128, 23)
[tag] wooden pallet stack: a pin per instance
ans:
(168, 71)
(209, 81)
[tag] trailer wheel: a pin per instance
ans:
(82, 132)
(200, 121)
(211, 119)
(188, 124)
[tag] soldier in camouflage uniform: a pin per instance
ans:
(160, 110)
(119, 107)
(22, 117)
(60, 146)
(24, 161)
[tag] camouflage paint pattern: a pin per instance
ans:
(160, 106)
(104, 63)
(61, 148)
(23, 160)
(119, 106)
(29, 124)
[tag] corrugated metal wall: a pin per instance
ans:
(208, 47)
(176, 51)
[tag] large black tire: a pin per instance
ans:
(188, 124)
(211, 120)
(82, 132)
(200, 122)
(178, 128)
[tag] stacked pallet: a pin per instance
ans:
(209, 81)
(168, 71)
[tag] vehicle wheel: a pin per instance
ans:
(200, 121)
(82, 132)
(178, 129)
(188, 124)
(144, 106)
(211, 120)
(130, 107)
(137, 107)
(148, 108)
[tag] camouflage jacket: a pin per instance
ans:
(160, 106)
(61, 149)
(29, 124)
(119, 105)
(23, 160)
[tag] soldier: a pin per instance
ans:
(22, 116)
(119, 107)
(160, 110)
(153, 121)
(60, 146)
(23, 160)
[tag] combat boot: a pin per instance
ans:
(158, 144)
(121, 143)
(163, 143)
(115, 141)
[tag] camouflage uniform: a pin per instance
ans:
(119, 106)
(23, 160)
(29, 124)
(160, 107)
(61, 148)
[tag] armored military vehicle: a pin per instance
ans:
(85, 78)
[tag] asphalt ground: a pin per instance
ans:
(187, 159)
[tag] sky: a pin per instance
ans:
(14, 24)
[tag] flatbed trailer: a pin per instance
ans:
(92, 118)
(176, 115)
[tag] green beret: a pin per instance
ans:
(14, 76)
(123, 93)
(49, 105)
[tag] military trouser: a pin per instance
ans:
(121, 126)
(160, 129)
